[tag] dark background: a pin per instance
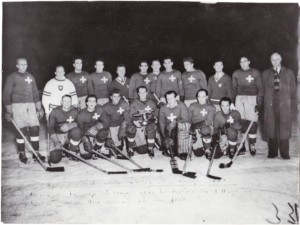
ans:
(51, 33)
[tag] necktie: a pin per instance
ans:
(276, 81)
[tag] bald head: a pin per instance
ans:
(276, 59)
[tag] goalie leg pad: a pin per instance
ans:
(93, 130)
(151, 131)
(183, 139)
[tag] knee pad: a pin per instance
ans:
(143, 149)
(205, 131)
(75, 134)
(34, 131)
(199, 152)
(24, 131)
(232, 134)
(86, 155)
(131, 130)
(55, 156)
(151, 131)
(246, 124)
(101, 135)
(253, 128)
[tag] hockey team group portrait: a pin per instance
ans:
(150, 112)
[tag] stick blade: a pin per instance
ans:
(158, 170)
(190, 175)
(117, 172)
(176, 171)
(121, 157)
(142, 170)
(55, 169)
(223, 165)
(213, 177)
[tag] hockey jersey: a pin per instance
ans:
(169, 81)
(101, 82)
(82, 83)
(137, 80)
(220, 119)
(54, 90)
(198, 112)
(153, 83)
(117, 113)
(137, 104)
(193, 81)
(122, 86)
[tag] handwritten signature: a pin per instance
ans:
(292, 214)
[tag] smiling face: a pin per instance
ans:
(60, 73)
(115, 98)
(99, 66)
(218, 67)
(91, 103)
(245, 63)
(188, 66)
(225, 107)
(121, 71)
(142, 94)
(143, 67)
(156, 66)
(66, 103)
(78, 65)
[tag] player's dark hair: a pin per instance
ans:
(155, 60)
(21, 58)
(139, 87)
(121, 65)
(170, 92)
(225, 99)
(77, 57)
(114, 91)
(245, 57)
(188, 59)
(100, 60)
(143, 61)
(218, 60)
(59, 66)
(69, 96)
(202, 89)
(168, 57)
(90, 96)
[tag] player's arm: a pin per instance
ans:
(210, 115)
(46, 98)
(184, 115)
(162, 122)
(203, 81)
(9, 83)
(73, 94)
(159, 86)
(36, 99)
(180, 87)
(90, 84)
(229, 88)
(234, 83)
(131, 87)
(109, 77)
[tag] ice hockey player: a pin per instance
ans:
(201, 115)
(139, 79)
(118, 112)
(167, 80)
(101, 81)
(82, 82)
(121, 82)
(23, 105)
(249, 91)
(93, 122)
(192, 81)
(63, 129)
(227, 124)
(142, 130)
(174, 126)
(153, 78)
(55, 89)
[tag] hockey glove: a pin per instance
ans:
(208, 153)
(160, 104)
(65, 127)
(8, 114)
(39, 110)
(122, 130)
(223, 142)
(109, 142)
(232, 107)
(168, 142)
(57, 144)
(87, 145)
(137, 123)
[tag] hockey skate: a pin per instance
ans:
(22, 157)
(130, 152)
(252, 149)
(208, 153)
(242, 150)
(39, 155)
(151, 152)
(232, 152)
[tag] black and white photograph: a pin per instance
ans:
(150, 112)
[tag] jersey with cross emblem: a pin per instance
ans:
(233, 118)
(136, 80)
(198, 112)
(117, 113)
(193, 81)
(101, 82)
(137, 104)
(82, 83)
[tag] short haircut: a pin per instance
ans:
(245, 57)
(168, 57)
(21, 58)
(143, 61)
(121, 65)
(139, 87)
(68, 96)
(90, 96)
(59, 66)
(100, 60)
(202, 89)
(225, 99)
(188, 59)
(155, 60)
(115, 91)
(170, 92)
(77, 57)
(218, 60)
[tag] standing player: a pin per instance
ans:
(63, 129)
(144, 125)
(55, 89)
(249, 91)
(167, 80)
(173, 126)
(139, 79)
(201, 115)
(227, 124)
(23, 105)
(219, 86)
(121, 82)
(101, 81)
(118, 117)
(153, 78)
(93, 122)
(81, 81)
(192, 80)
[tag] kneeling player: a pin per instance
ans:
(93, 124)
(227, 125)
(201, 115)
(173, 122)
(143, 113)
(63, 129)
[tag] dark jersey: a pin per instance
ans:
(117, 113)
(122, 86)
(101, 82)
(192, 81)
(59, 116)
(169, 81)
(199, 112)
(153, 83)
(137, 80)
(137, 104)
(82, 82)
(221, 119)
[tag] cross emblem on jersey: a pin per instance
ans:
(172, 117)
(96, 116)
(249, 78)
(146, 80)
(70, 120)
(230, 120)
(104, 79)
(148, 108)
(120, 110)
(203, 112)
(82, 79)
(28, 80)
(172, 78)
(191, 79)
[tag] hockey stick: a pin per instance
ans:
(48, 142)
(118, 164)
(126, 100)
(223, 165)
(184, 173)
(132, 161)
(210, 164)
(92, 165)
(158, 101)
(50, 169)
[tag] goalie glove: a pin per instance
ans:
(122, 130)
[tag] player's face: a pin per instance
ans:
(144, 67)
(171, 99)
(225, 107)
(99, 66)
(142, 93)
(218, 67)
(188, 66)
(276, 60)
(115, 98)
(156, 66)
(91, 103)
(78, 65)
(22, 65)
(66, 103)
(168, 64)
(121, 71)
(60, 72)
(244, 63)
(202, 97)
